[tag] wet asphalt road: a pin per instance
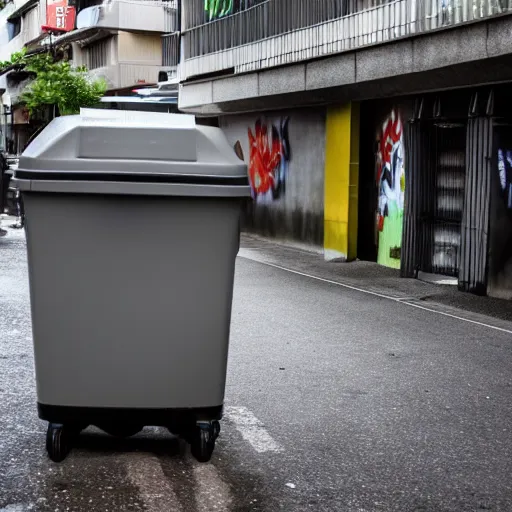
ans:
(336, 401)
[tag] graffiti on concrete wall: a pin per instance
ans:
(284, 152)
(269, 158)
(505, 175)
(500, 226)
(391, 187)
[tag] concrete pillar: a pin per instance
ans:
(341, 182)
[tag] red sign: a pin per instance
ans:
(60, 17)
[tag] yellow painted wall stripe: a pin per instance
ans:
(341, 182)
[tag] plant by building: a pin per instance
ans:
(56, 84)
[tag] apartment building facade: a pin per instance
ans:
(375, 129)
(129, 43)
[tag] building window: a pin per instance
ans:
(98, 54)
(14, 28)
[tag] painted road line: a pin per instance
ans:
(243, 254)
(252, 429)
(212, 493)
(450, 315)
(18, 507)
(155, 490)
(376, 294)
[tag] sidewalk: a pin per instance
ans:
(373, 278)
(7, 221)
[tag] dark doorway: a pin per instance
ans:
(367, 206)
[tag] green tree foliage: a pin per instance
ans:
(57, 84)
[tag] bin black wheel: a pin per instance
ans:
(203, 440)
(58, 442)
(122, 430)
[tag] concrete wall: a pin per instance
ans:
(141, 49)
(285, 155)
(133, 59)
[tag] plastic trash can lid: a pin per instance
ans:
(111, 151)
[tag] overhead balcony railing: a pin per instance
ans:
(170, 50)
(277, 32)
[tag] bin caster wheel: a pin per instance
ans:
(58, 442)
(203, 440)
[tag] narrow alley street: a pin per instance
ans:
(337, 400)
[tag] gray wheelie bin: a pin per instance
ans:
(132, 224)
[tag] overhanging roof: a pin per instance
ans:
(84, 36)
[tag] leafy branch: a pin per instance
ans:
(56, 84)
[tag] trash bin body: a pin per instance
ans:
(131, 299)
(131, 279)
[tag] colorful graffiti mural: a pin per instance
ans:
(391, 187)
(284, 153)
(500, 225)
(215, 9)
(505, 175)
(269, 157)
